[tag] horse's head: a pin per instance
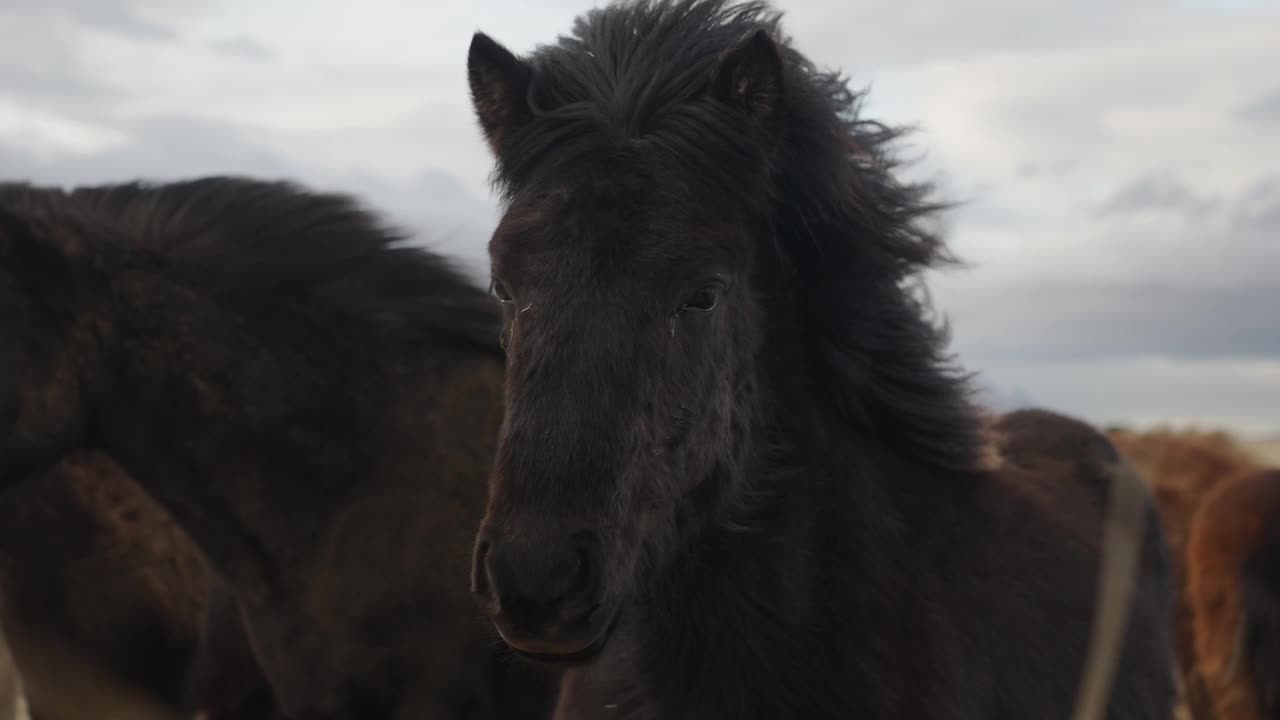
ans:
(626, 267)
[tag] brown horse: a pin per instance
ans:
(103, 600)
(312, 402)
(1182, 466)
(1233, 589)
(738, 476)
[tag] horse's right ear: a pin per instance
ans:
(499, 86)
(749, 77)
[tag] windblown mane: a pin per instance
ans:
(271, 240)
(850, 235)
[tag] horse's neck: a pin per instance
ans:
(821, 516)
(748, 592)
(177, 415)
(158, 452)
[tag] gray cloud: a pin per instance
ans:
(121, 19)
(242, 47)
(1029, 169)
(37, 64)
(58, 83)
(1087, 322)
(1161, 191)
(1259, 210)
(865, 33)
(1200, 288)
(1264, 111)
(1151, 390)
(125, 17)
(159, 147)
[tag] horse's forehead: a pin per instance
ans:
(581, 220)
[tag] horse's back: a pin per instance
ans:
(1049, 509)
(1078, 453)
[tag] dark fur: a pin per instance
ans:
(783, 504)
(314, 405)
(102, 600)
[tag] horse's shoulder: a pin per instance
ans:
(1054, 479)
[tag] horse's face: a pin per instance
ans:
(631, 327)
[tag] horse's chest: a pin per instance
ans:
(589, 694)
(600, 692)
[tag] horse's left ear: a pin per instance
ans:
(749, 77)
(499, 86)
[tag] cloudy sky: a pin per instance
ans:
(1118, 162)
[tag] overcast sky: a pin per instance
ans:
(1119, 161)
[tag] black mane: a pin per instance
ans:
(248, 238)
(851, 236)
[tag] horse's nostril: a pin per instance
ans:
(583, 578)
(535, 585)
(586, 580)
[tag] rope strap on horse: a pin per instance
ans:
(1121, 553)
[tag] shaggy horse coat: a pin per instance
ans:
(104, 600)
(1233, 589)
(314, 405)
(737, 476)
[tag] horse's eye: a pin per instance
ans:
(705, 299)
(499, 290)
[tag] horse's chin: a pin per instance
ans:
(605, 621)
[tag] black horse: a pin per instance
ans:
(313, 403)
(738, 475)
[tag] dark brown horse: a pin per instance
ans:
(104, 601)
(737, 476)
(314, 404)
(1233, 589)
